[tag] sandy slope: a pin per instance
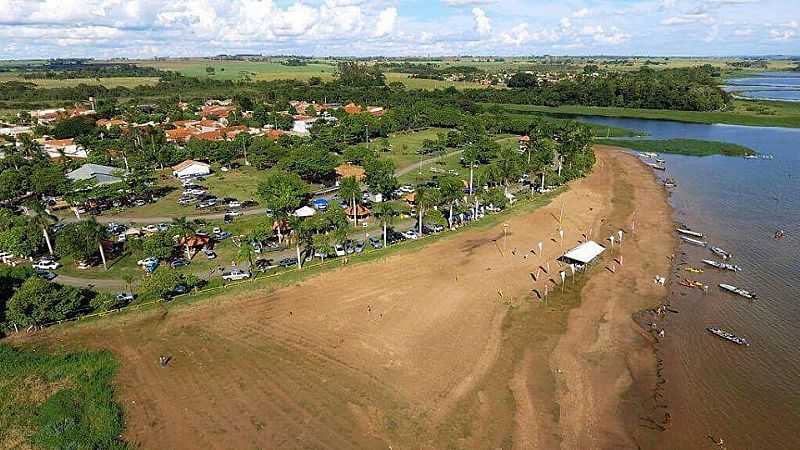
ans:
(413, 351)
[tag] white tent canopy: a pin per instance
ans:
(585, 252)
(305, 211)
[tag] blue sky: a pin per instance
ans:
(147, 28)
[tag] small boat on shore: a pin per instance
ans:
(728, 336)
(648, 155)
(694, 241)
(739, 291)
(661, 161)
(656, 166)
(693, 284)
(721, 253)
(694, 270)
(690, 232)
(722, 265)
(670, 183)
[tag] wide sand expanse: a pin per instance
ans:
(448, 346)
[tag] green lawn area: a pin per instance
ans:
(58, 400)
(107, 82)
(237, 70)
(689, 147)
(240, 183)
(405, 146)
(744, 112)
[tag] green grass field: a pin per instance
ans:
(405, 146)
(58, 400)
(688, 147)
(744, 112)
(113, 82)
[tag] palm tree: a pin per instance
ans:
(350, 190)
(452, 190)
(425, 198)
(386, 213)
(303, 231)
(185, 230)
(96, 234)
(246, 252)
(41, 218)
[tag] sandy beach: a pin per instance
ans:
(453, 345)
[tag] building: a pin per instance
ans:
(108, 123)
(191, 168)
(55, 148)
(97, 173)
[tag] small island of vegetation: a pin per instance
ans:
(688, 147)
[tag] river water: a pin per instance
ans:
(749, 396)
(783, 86)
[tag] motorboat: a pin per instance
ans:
(690, 232)
(744, 293)
(728, 336)
(721, 253)
(694, 241)
(722, 265)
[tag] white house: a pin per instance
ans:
(190, 168)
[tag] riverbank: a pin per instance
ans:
(687, 147)
(408, 351)
(743, 112)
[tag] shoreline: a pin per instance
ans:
(373, 353)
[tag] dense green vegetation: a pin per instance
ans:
(58, 401)
(742, 112)
(689, 147)
(691, 89)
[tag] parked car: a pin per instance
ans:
(46, 274)
(163, 226)
(147, 261)
(84, 265)
(46, 265)
(235, 275)
(179, 262)
(263, 264)
(180, 289)
(222, 235)
(410, 234)
(233, 212)
(359, 246)
(150, 229)
(126, 297)
(233, 203)
(375, 242)
(339, 250)
(287, 262)
(210, 254)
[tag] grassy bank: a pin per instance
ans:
(58, 400)
(689, 147)
(743, 112)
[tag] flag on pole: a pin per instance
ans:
(548, 266)
(611, 238)
(561, 234)
(563, 276)
(620, 235)
(540, 247)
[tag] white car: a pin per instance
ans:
(410, 234)
(147, 261)
(150, 229)
(46, 265)
(233, 212)
(234, 204)
(236, 275)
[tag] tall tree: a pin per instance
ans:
(452, 190)
(42, 219)
(386, 213)
(185, 230)
(426, 198)
(350, 191)
(283, 193)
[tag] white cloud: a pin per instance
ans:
(583, 12)
(385, 24)
(482, 24)
(467, 2)
(782, 35)
(685, 19)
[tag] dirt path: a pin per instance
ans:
(418, 350)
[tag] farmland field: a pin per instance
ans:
(107, 82)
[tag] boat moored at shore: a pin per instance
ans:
(690, 232)
(721, 253)
(722, 265)
(694, 241)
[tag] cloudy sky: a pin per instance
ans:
(147, 28)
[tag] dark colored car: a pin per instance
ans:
(375, 242)
(288, 262)
(180, 262)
